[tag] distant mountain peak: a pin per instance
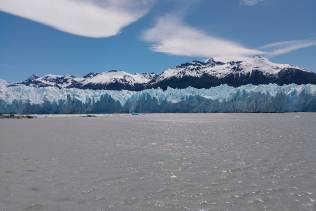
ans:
(114, 71)
(212, 61)
(89, 75)
(33, 76)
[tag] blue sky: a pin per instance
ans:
(81, 36)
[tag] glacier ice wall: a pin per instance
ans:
(250, 98)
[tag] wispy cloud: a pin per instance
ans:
(170, 35)
(90, 18)
(250, 2)
(285, 47)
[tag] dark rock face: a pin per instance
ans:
(296, 76)
(113, 86)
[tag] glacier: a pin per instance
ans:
(249, 98)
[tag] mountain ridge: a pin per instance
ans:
(198, 74)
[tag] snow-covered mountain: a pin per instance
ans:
(114, 80)
(198, 74)
(111, 80)
(60, 81)
(254, 70)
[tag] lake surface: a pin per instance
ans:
(159, 162)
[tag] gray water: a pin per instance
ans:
(159, 162)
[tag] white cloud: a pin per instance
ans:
(250, 2)
(90, 18)
(280, 48)
(170, 35)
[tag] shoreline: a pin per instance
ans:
(34, 116)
